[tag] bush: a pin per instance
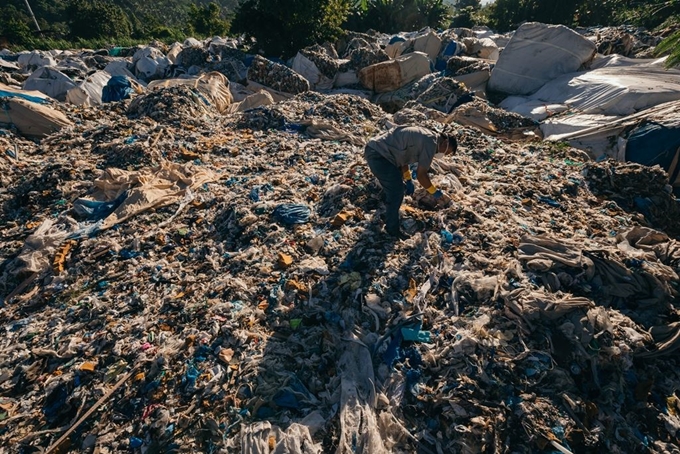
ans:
(670, 46)
(391, 16)
(92, 19)
(206, 20)
(464, 18)
(14, 26)
(282, 27)
(508, 14)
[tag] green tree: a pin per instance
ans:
(474, 4)
(391, 16)
(464, 18)
(505, 15)
(433, 12)
(206, 20)
(508, 14)
(92, 19)
(670, 46)
(15, 26)
(282, 27)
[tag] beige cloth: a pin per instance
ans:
(148, 188)
(651, 285)
(31, 119)
(326, 131)
(261, 98)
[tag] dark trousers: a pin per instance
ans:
(390, 179)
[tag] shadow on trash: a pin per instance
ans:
(316, 370)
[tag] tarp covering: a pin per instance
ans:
(536, 54)
(609, 136)
(308, 69)
(29, 95)
(117, 88)
(262, 98)
(119, 68)
(657, 143)
(50, 81)
(31, 119)
(89, 91)
(616, 87)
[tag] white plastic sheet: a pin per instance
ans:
(537, 54)
(50, 81)
(35, 58)
(617, 87)
(308, 69)
(89, 91)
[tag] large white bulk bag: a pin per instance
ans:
(429, 44)
(89, 91)
(394, 74)
(35, 58)
(536, 54)
(308, 69)
(481, 48)
(50, 81)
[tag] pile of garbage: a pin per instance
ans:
(624, 40)
(201, 267)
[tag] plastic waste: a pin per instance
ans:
(117, 89)
(290, 214)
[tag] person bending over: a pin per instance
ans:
(388, 156)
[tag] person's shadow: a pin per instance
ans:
(315, 382)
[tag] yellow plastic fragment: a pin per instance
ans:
(60, 256)
(88, 366)
(285, 260)
(341, 218)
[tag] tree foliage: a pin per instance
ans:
(670, 46)
(282, 27)
(392, 16)
(99, 19)
(474, 4)
(507, 14)
(14, 25)
(206, 20)
(92, 19)
(464, 18)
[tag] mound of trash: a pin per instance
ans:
(200, 265)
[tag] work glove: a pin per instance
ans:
(410, 188)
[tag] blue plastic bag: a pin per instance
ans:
(117, 89)
(291, 213)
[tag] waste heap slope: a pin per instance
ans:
(210, 283)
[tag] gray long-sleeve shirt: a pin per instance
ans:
(405, 145)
